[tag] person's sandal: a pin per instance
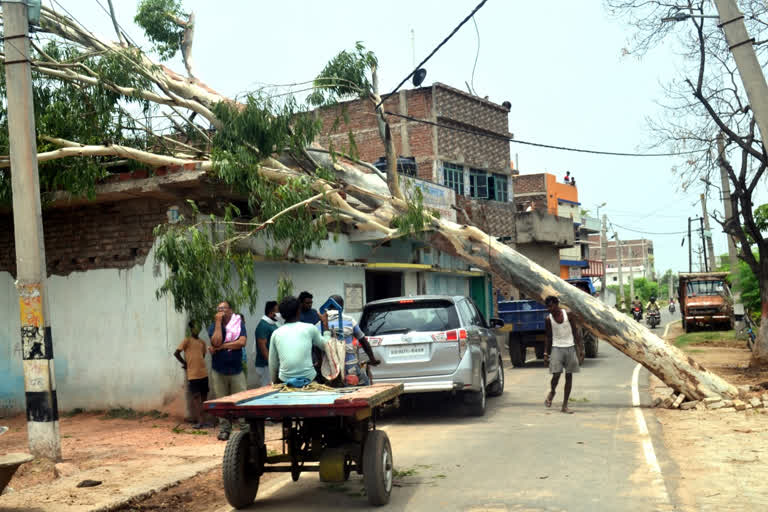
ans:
(548, 400)
(223, 436)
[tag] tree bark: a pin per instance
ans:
(760, 350)
(667, 362)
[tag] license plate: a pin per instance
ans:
(408, 350)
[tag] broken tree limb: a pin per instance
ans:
(667, 362)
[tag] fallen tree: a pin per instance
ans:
(264, 151)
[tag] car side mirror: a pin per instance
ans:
(496, 323)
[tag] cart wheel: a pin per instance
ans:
(240, 475)
(377, 468)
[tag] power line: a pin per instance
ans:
(650, 232)
(497, 136)
(477, 55)
(477, 8)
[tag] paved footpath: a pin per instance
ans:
(520, 456)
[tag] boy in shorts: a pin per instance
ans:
(197, 375)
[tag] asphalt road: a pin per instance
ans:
(520, 455)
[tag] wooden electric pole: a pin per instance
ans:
(36, 340)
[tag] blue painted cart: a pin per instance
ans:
(335, 429)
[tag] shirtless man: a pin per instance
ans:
(564, 345)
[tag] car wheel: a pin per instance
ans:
(497, 388)
(476, 400)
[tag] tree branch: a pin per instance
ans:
(115, 24)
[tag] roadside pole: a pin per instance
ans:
(621, 274)
(725, 183)
(36, 341)
(740, 44)
(603, 255)
(631, 275)
(708, 234)
(690, 249)
(671, 291)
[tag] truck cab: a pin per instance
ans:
(705, 300)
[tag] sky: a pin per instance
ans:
(560, 64)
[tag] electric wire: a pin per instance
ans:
(477, 55)
(643, 232)
(471, 14)
(497, 136)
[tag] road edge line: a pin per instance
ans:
(642, 426)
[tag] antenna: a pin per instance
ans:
(413, 48)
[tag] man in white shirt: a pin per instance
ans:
(562, 349)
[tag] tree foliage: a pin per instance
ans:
(158, 19)
(346, 76)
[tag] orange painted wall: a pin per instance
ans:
(564, 272)
(557, 190)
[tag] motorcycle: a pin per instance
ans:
(637, 313)
(671, 307)
(653, 318)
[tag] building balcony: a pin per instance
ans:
(590, 224)
(540, 227)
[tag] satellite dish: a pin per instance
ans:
(418, 76)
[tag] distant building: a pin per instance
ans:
(636, 255)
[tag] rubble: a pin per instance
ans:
(711, 400)
(694, 404)
(755, 403)
(743, 391)
(657, 401)
(678, 401)
(727, 409)
(716, 405)
(739, 405)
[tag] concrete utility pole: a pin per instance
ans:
(603, 255)
(631, 274)
(740, 44)
(710, 246)
(621, 274)
(690, 249)
(725, 183)
(671, 291)
(36, 341)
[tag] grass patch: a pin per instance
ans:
(582, 399)
(404, 473)
(179, 430)
(126, 413)
(704, 337)
(74, 412)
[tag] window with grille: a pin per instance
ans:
(478, 183)
(497, 188)
(453, 177)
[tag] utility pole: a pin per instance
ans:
(703, 247)
(732, 23)
(621, 273)
(710, 245)
(36, 340)
(671, 291)
(725, 183)
(631, 274)
(690, 254)
(603, 255)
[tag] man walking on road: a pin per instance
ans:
(564, 344)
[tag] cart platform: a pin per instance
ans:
(268, 402)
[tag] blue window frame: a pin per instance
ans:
(453, 177)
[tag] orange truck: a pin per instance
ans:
(705, 300)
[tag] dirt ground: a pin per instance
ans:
(720, 456)
(117, 450)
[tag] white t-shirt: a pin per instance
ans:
(562, 335)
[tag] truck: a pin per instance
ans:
(705, 300)
(525, 321)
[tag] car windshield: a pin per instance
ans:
(705, 288)
(401, 318)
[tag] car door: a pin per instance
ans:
(474, 336)
(487, 340)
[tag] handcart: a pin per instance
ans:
(336, 429)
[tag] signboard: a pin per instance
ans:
(435, 196)
(353, 298)
(574, 272)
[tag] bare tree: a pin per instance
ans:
(705, 99)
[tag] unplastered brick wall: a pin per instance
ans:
(463, 112)
(530, 183)
(359, 118)
(105, 235)
(493, 217)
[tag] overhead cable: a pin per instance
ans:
(477, 8)
(497, 136)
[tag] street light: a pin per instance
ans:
(681, 16)
(598, 209)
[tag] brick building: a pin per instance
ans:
(474, 166)
(636, 255)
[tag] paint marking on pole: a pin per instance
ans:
(647, 444)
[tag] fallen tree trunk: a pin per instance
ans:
(666, 361)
